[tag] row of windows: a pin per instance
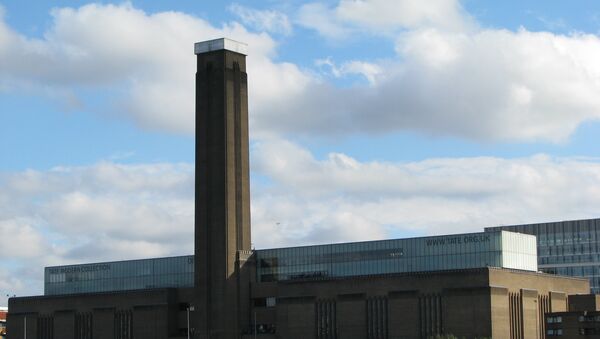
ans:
(589, 331)
(120, 284)
(567, 239)
(123, 269)
(279, 261)
(591, 251)
(554, 332)
(420, 264)
(573, 271)
(443, 245)
(570, 231)
(554, 320)
(432, 261)
(588, 318)
(567, 259)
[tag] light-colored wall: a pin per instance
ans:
(519, 251)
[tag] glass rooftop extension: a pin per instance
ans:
(450, 252)
(120, 275)
(459, 251)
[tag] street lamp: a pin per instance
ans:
(189, 309)
(255, 328)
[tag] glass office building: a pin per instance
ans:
(120, 275)
(569, 248)
(473, 250)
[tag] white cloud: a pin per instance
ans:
(319, 17)
(485, 85)
(151, 203)
(382, 16)
(369, 71)
(263, 20)
(145, 61)
(14, 234)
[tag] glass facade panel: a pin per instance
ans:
(120, 275)
(396, 256)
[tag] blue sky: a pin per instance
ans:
(369, 119)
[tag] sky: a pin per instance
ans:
(369, 119)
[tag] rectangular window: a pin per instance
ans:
(554, 332)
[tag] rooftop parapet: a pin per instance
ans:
(219, 44)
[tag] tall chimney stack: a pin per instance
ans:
(222, 218)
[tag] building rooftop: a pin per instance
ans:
(219, 44)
